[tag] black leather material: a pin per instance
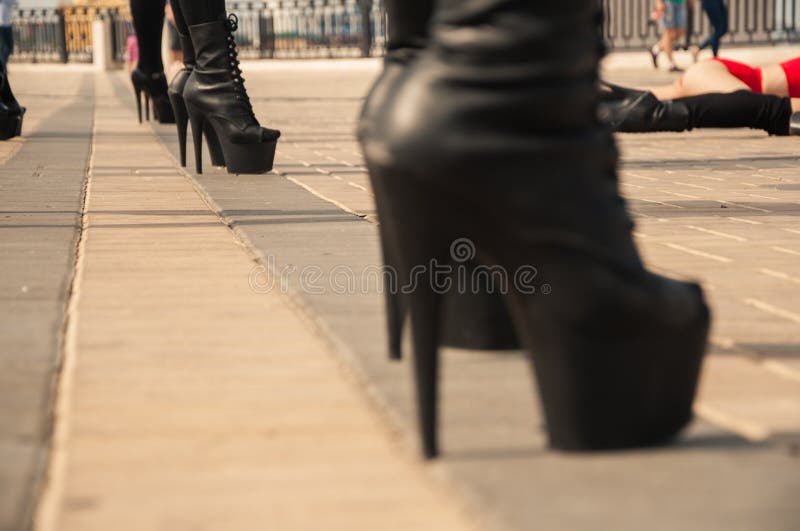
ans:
(629, 110)
(408, 24)
(477, 320)
(492, 135)
(216, 87)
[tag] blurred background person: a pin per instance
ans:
(717, 14)
(131, 50)
(672, 16)
(6, 32)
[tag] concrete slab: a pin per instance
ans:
(41, 191)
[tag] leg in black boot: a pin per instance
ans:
(492, 135)
(215, 94)
(476, 319)
(148, 78)
(175, 92)
(11, 112)
(629, 110)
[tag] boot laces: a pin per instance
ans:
(232, 24)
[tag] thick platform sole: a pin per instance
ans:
(10, 126)
(239, 158)
(249, 158)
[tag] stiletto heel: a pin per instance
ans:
(181, 121)
(154, 88)
(196, 119)
(425, 325)
(215, 89)
(138, 93)
(175, 93)
(214, 147)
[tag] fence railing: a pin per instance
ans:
(306, 28)
(353, 28)
(627, 24)
(58, 35)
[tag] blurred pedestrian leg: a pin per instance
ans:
(717, 14)
(672, 15)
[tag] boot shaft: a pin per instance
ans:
(552, 39)
(212, 47)
(408, 24)
(188, 50)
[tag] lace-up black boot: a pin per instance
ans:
(215, 96)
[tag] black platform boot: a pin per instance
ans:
(175, 93)
(492, 136)
(477, 319)
(12, 113)
(215, 96)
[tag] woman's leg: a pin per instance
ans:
(148, 21)
(667, 41)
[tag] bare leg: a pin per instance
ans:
(701, 78)
(667, 41)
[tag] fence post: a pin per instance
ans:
(365, 6)
(61, 36)
(102, 49)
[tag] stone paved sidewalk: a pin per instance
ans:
(194, 399)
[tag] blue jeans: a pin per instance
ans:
(718, 16)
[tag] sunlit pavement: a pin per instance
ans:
(191, 392)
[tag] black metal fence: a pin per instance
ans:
(353, 28)
(310, 28)
(750, 22)
(57, 35)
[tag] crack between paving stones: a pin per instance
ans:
(51, 474)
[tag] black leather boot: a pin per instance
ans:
(636, 111)
(492, 136)
(175, 93)
(629, 110)
(215, 95)
(478, 318)
(12, 113)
